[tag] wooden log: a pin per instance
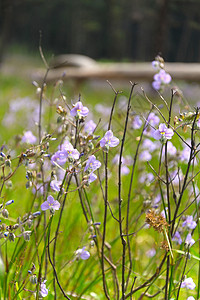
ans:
(123, 71)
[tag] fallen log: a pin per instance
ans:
(122, 71)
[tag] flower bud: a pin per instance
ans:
(5, 213)
(11, 237)
(9, 184)
(29, 223)
(37, 213)
(91, 229)
(91, 146)
(15, 226)
(7, 162)
(33, 279)
(38, 91)
(26, 235)
(28, 184)
(92, 243)
(9, 202)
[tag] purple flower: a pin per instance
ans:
(109, 140)
(59, 157)
(79, 110)
(191, 298)
(145, 156)
(50, 204)
(156, 200)
(153, 120)
(125, 170)
(148, 144)
(102, 109)
(155, 64)
(188, 283)
(189, 222)
(43, 290)
(29, 138)
(137, 122)
(146, 178)
(92, 177)
(55, 184)
(163, 133)
(156, 85)
(171, 149)
(115, 160)
(151, 252)
(90, 127)
(177, 238)
(189, 240)
(161, 79)
(82, 253)
(69, 150)
(92, 164)
(128, 160)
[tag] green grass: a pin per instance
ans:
(82, 278)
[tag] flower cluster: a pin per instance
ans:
(162, 78)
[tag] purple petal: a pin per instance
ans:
(157, 135)
(84, 255)
(108, 135)
(167, 78)
(84, 111)
(50, 199)
(56, 205)
(45, 205)
(169, 133)
(156, 85)
(114, 142)
(162, 127)
(103, 142)
(73, 112)
(92, 177)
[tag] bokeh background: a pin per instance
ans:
(128, 30)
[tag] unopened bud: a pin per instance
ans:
(2, 154)
(26, 235)
(9, 184)
(37, 213)
(15, 226)
(38, 91)
(5, 213)
(9, 202)
(28, 184)
(91, 229)
(92, 243)
(7, 162)
(29, 223)
(11, 237)
(33, 279)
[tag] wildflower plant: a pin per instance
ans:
(104, 207)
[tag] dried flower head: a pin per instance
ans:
(164, 245)
(155, 220)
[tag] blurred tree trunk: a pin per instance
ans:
(161, 27)
(184, 41)
(7, 11)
